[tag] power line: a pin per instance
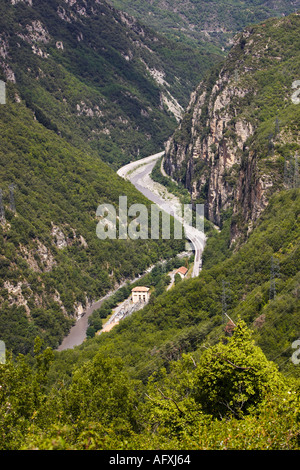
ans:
(274, 274)
(270, 144)
(296, 172)
(12, 197)
(250, 301)
(291, 176)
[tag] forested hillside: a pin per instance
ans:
(209, 24)
(213, 362)
(96, 76)
(74, 102)
(238, 141)
(177, 366)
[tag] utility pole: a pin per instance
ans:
(285, 172)
(225, 297)
(296, 172)
(236, 76)
(12, 198)
(2, 213)
(291, 172)
(271, 144)
(274, 274)
(277, 127)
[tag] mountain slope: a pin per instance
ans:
(211, 24)
(184, 372)
(238, 141)
(192, 315)
(85, 66)
(52, 263)
(256, 279)
(57, 108)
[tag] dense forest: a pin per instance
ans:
(91, 68)
(72, 116)
(210, 25)
(238, 142)
(144, 384)
(211, 363)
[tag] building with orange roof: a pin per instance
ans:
(182, 271)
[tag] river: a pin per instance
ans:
(77, 333)
(138, 173)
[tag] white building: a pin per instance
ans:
(140, 294)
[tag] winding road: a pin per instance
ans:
(138, 173)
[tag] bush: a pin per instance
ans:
(234, 378)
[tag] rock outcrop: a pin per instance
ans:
(223, 151)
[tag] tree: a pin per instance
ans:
(101, 392)
(233, 378)
(90, 332)
(23, 395)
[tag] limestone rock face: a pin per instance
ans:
(214, 151)
(222, 179)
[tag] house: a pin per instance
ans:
(140, 294)
(182, 271)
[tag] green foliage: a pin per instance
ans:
(205, 23)
(58, 186)
(174, 188)
(217, 247)
(237, 375)
(99, 83)
(103, 408)
(91, 331)
(162, 374)
(22, 394)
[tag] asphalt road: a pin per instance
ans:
(138, 173)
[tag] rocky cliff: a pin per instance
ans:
(87, 66)
(239, 137)
(81, 85)
(207, 23)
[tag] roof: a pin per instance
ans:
(140, 289)
(182, 270)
